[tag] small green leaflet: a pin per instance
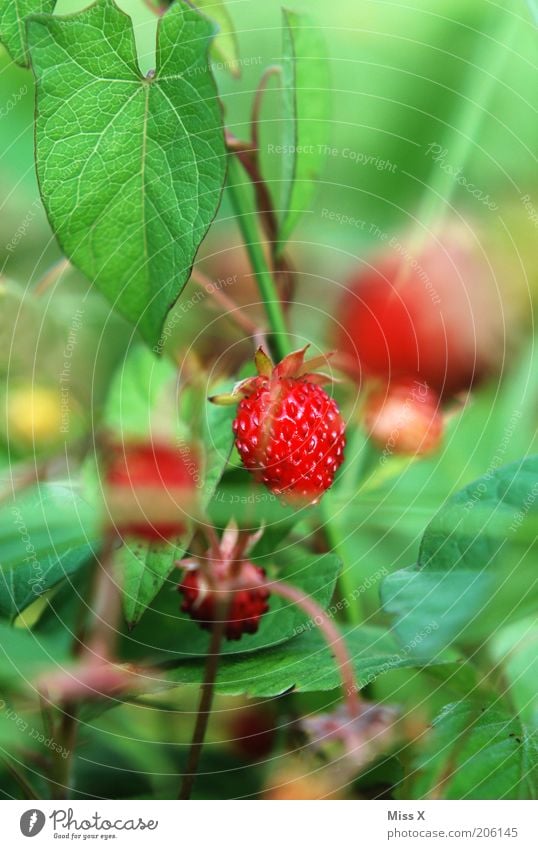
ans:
(13, 14)
(130, 168)
(306, 88)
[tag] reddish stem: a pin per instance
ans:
(206, 701)
(334, 639)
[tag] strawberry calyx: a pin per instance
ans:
(292, 366)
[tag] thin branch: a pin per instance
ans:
(206, 703)
(51, 276)
(233, 310)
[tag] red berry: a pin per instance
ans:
(150, 488)
(248, 602)
(252, 731)
(288, 431)
(404, 418)
(432, 314)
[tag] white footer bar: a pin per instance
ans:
(266, 825)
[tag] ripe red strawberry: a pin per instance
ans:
(150, 488)
(289, 433)
(247, 606)
(404, 418)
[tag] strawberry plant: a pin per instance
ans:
(268, 489)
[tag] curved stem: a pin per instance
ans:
(257, 259)
(334, 639)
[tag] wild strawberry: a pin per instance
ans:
(404, 418)
(289, 433)
(150, 488)
(226, 585)
(248, 602)
(433, 314)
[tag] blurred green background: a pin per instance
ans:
(460, 74)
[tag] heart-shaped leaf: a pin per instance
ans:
(130, 168)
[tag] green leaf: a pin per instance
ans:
(304, 664)
(143, 391)
(166, 629)
(131, 168)
(143, 570)
(515, 649)
(46, 533)
(476, 752)
(306, 87)
(24, 654)
(476, 566)
(225, 47)
(13, 14)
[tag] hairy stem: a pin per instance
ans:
(335, 641)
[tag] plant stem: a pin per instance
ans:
(68, 735)
(345, 582)
(232, 310)
(271, 71)
(106, 609)
(205, 705)
(264, 278)
(51, 276)
(106, 604)
(335, 641)
(20, 778)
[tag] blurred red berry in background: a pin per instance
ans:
(433, 313)
(404, 418)
(150, 488)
